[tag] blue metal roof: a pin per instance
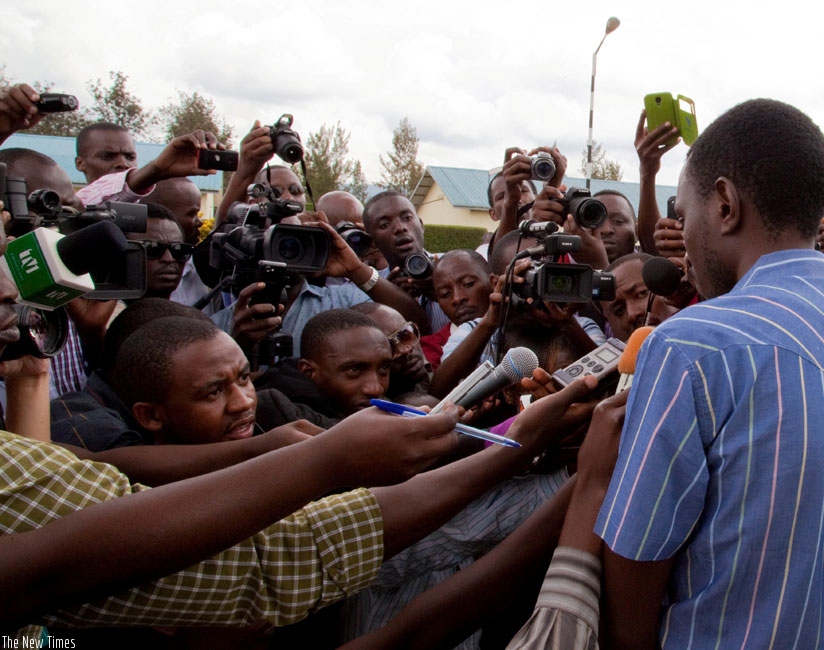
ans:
(466, 188)
(62, 151)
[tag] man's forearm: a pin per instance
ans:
(393, 296)
(648, 213)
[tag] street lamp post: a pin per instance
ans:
(612, 25)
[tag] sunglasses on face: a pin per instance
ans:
(404, 339)
(179, 251)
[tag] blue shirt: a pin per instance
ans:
(311, 300)
(721, 462)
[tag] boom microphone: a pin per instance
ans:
(50, 269)
(517, 364)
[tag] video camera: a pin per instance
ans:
(256, 247)
(262, 249)
(59, 254)
(551, 281)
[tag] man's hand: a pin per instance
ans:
(555, 417)
(651, 145)
(179, 157)
(376, 448)
(540, 384)
(256, 149)
(291, 433)
(548, 206)
(253, 323)
(598, 454)
(592, 248)
(343, 261)
(18, 109)
(669, 238)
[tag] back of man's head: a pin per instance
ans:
(40, 173)
(774, 153)
(144, 364)
(135, 316)
(505, 250)
(340, 206)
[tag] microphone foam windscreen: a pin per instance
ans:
(661, 276)
(521, 362)
(626, 364)
(100, 245)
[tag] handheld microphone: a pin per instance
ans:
(533, 228)
(626, 364)
(662, 278)
(50, 269)
(517, 364)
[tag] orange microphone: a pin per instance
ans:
(626, 364)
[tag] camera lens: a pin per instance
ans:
(590, 213)
(45, 201)
(290, 249)
(291, 152)
(543, 167)
(418, 266)
(560, 283)
(42, 333)
(358, 241)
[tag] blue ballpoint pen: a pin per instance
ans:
(408, 411)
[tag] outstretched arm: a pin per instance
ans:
(650, 146)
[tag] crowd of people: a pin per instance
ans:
(203, 466)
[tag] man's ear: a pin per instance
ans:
(80, 164)
(729, 206)
(148, 415)
(307, 367)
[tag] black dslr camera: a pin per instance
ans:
(551, 281)
(587, 212)
(286, 141)
(359, 240)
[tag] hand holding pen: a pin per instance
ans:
(409, 411)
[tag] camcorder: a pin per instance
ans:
(256, 247)
(50, 262)
(552, 281)
(285, 140)
(57, 103)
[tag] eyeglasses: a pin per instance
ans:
(179, 251)
(294, 190)
(404, 339)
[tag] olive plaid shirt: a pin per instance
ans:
(322, 553)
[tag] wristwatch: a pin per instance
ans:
(367, 286)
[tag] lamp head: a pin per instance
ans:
(612, 25)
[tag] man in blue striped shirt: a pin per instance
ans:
(716, 504)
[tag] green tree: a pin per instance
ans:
(192, 112)
(358, 185)
(115, 103)
(327, 164)
(602, 167)
(401, 171)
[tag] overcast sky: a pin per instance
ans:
(473, 77)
